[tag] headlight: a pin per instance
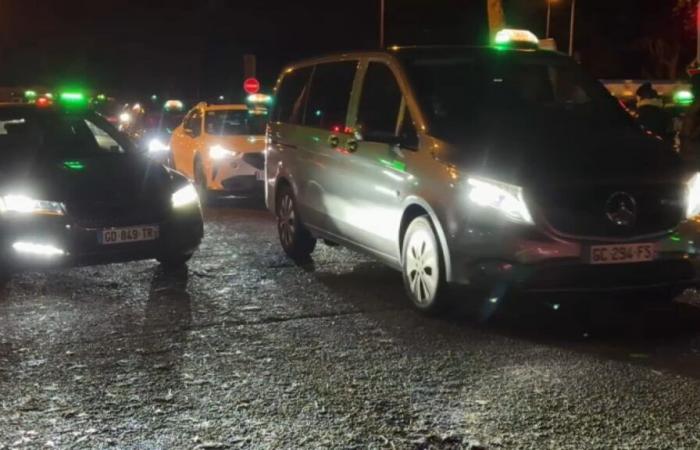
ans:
(28, 205)
(125, 117)
(693, 200)
(503, 197)
(218, 152)
(157, 146)
(185, 196)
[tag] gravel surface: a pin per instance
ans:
(246, 350)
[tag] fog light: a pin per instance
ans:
(31, 248)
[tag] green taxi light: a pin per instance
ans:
(30, 94)
(259, 98)
(683, 98)
(73, 97)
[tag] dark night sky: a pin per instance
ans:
(194, 48)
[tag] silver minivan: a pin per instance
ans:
(491, 166)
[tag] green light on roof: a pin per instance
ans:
(30, 94)
(683, 97)
(72, 96)
(73, 165)
(101, 97)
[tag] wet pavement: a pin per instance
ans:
(247, 350)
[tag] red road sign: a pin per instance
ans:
(251, 85)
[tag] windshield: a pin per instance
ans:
(25, 134)
(462, 93)
(234, 122)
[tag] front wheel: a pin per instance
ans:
(423, 267)
(296, 240)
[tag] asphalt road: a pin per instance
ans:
(246, 350)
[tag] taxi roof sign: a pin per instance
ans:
(510, 37)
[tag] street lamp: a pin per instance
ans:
(382, 11)
(549, 17)
(572, 25)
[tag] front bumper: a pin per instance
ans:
(533, 262)
(180, 233)
(241, 174)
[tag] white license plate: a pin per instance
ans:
(260, 175)
(622, 253)
(139, 233)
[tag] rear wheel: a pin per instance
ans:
(423, 267)
(296, 240)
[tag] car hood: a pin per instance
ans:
(526, 153)
(107, 179)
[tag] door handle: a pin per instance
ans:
(352, 146)
(334, 141)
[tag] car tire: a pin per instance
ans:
(423, 267)
(174, 261)
(297, 242)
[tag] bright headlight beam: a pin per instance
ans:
(185, 196)
(156, 146)
(218, 152)
(27, 205)
(693, 199)
(503, 197)
(32, 248)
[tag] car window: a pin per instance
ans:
(193, 123)
(380, 102)
(461, 95)
(290, 100)
(103, 139)
(233, 122)
(331, 85)
(25, 134)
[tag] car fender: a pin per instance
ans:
(412, 200)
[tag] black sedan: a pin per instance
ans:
(74, 191)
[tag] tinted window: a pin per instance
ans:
(27, 133)
(193, 123)
(290, 99)
(331, 85)
(233, 122)
(380, 102)
(461, 95)
(103, 138)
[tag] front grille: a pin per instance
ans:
(581, 211)
(584, 276)
(97, 215)
(256, 160)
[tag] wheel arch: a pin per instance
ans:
(416, 207)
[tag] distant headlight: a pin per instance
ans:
(27, 205)
(185, 196)
(157, 146)
(218, 152)
(693, 200)
(124, 117)
(503, 197)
